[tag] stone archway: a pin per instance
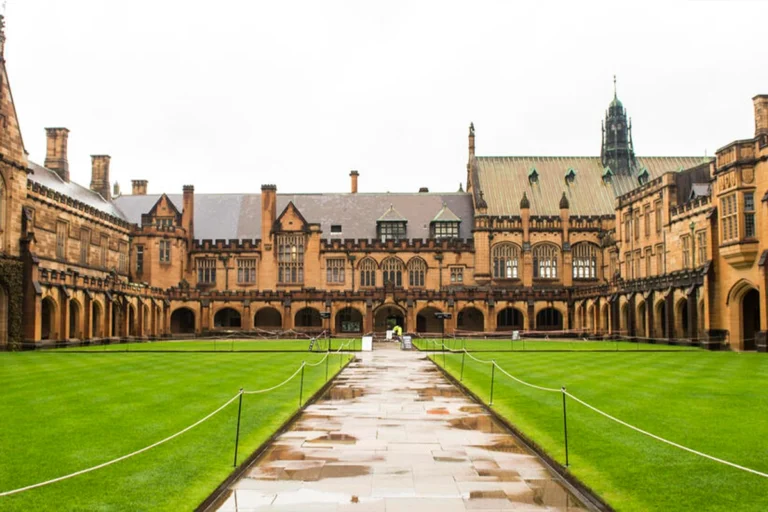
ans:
(471, 319)
(426, 321)
(75, 312)
(660, 318)
(624, 327)
(604, 319)
(183, 321)
(308, 317)
(97, 320)
(349, 320)
(227, 318)
(549, 319)
(750, 319)
(387, 316)
(268, 318)
(48, 319)
(510, 319)
(641, 320)
(131, 319)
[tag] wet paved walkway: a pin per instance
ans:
(391, 435)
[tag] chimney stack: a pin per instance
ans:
(56, 152)
(116, 190)
(100, 175)
(354, 175)
(139, 187)
(268, 210)
(188, 214)
(761, 114)
(423, 190)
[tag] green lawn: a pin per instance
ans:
(555, 345)
(63, 412)
(713, 402)
(226, 345)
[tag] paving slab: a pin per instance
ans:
(393, 434)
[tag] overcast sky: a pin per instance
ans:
(228, 95)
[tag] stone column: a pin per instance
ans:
(693, 323)
(669, 305)
(531, 315)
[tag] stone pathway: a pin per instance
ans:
(392, 435)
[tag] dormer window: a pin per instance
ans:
(643, 177)
(570, 175)
(445, 225)
(335, 229)
(533, 176)
(607, 175)
(391, 225)
(164, 222)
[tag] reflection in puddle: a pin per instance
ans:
(334, 437)
(439, 391)
(506, 445)
(472, 409)
(344, 471)
(344, 393)
(439, 410)
(482, 423)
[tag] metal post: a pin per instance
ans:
(463, 355)
(237, 434)
(301, 386)
(493, 374)
(565, 427)
(327, 360)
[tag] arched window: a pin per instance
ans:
(393, 271)
(584, 261)
(545, 261)
(368, 273)
(505, 261)
(417, 269)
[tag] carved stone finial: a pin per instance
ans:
(471, 129)
(524, 202)
(564, 204)
(2, 36)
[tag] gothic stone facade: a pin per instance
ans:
(652, 247)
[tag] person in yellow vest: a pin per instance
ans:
(397, 331)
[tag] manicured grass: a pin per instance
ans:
(63, 412)
(226, 345)
(554, 345)
(713, 402)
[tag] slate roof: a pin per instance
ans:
(446, 215)
(238, 216)
(503, 180)
(50, 179)
(700, 190)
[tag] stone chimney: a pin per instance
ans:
(139, 187)
(423, 190)
(761, 114)
(188, 214)
(100, 175)
(116, 190)
(268, 210)
(353, 175)
(56, 152)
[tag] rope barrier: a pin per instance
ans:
(667, 441)
(623, 423)
(113, 461)
(169, 438)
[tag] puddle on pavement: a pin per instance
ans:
(344, 393)
(497, 494)
(502, 475)
(439, 392)
(506, 445)
(549, 493)
(482, 423)
(438, 410)
(472, 409)
(345, 471)
(334, 437)
(283, 453)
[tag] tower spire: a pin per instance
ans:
(617, 150)
(614, 87)
(2, 33)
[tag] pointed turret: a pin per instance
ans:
(11, 142)
(617, 151)
(524, 202)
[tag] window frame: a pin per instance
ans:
(246, 270)
(334, 270)
(290, 258)
(165, 251)
(206, 270)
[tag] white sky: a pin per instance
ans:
(228, 95)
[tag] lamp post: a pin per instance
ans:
(325, 315)
(442, 317)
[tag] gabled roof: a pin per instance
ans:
(446, 215)
(238, 216)
(504, 180)
(699, 190)
(391, 215)
(153, 210)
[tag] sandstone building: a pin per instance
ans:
(652, 247)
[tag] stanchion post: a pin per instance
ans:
(461, 377)
(327, 360)
(493, 375)
(301, 385)
(565, 427)
(237, 432)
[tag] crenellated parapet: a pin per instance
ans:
(234, 244)
(412, 245)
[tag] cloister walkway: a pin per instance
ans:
(393, 434)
